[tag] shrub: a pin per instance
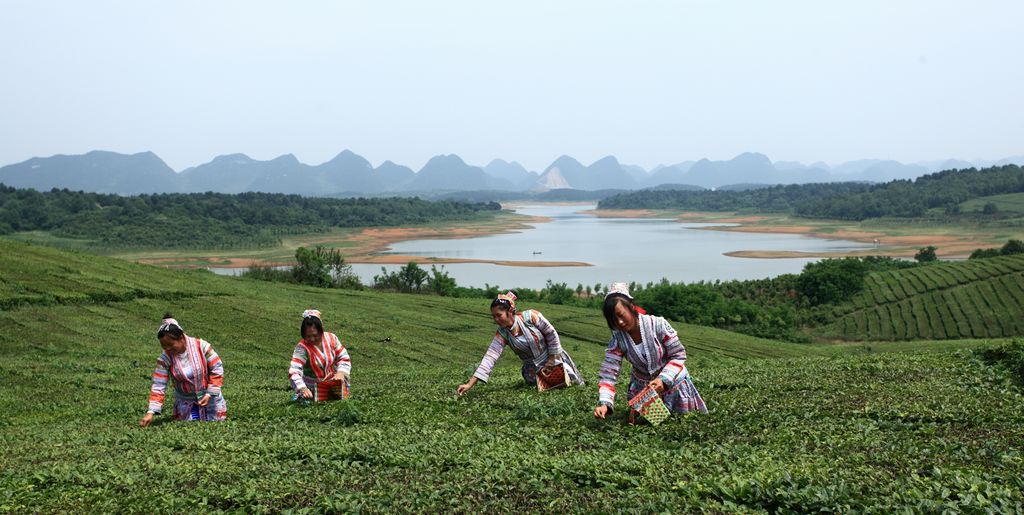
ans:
(1010, 356)
(408, 279)
(1012, 247)
(926, 254)
(831, 280)
(318, 266)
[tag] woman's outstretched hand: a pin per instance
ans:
(601, 411)
(146, 420)
(463, 388)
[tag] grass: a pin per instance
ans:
(927, 427)
(1011, 202)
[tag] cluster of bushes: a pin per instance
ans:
(414, 279)
(1009, 248)
(317, 266)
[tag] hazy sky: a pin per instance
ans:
(649, 82)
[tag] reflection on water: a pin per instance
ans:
(621, 249)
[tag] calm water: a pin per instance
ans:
(621, 249)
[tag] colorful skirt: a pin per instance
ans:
(529, 371)
(189, 409)
(325, 391)
(681, 398)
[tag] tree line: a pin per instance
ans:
(845, 200)
(210, 220)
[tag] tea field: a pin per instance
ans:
(874, 427)
(982, 298)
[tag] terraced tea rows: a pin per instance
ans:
(972, 299)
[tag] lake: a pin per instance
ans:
(621, 249)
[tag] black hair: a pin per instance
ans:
(173, 329)
(310, 322)
(505, 304)
(609, 308)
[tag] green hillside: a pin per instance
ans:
(791, 428)
(1010, 202)
(982, 298)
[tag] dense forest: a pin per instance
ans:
(843, 201)
(210, 220)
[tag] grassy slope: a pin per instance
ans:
(805, 428)
(1009, 202)
(977, 298)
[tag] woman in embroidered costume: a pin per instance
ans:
(198, 376)
(320, 363)
(530, 336)
(650, 344)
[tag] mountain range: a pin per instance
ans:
(350, 174)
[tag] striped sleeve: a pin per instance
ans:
(160, 377)
(215, 369)
(483, 372)
(342, 362)
(672, 372)
(549, 332)
(609, 374)
(299, 358)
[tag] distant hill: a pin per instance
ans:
(638, 173)
(557, 175)
(605, 173)
(394, 177)
(512, 172)
(672, 174)
(676, 187)
(744, 186)
(747, 167)
(877, 170)
(980, 298)
(750, 168)
(450, 172)
(98, 171)
(237, 173)
(557, 195)
(350, 174)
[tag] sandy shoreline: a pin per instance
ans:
(888, 245)
(952, 241)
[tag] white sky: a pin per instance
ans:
(649, 82)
